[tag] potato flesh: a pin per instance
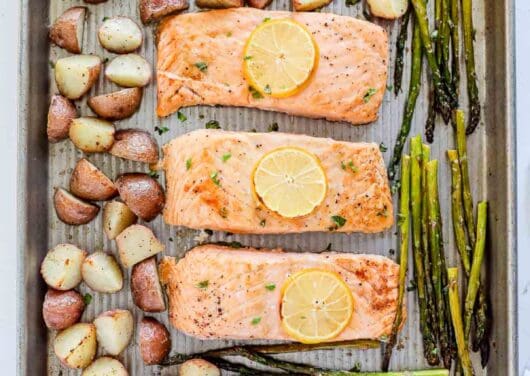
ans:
(114, 330)
(389, 9)
(305, 5)
(92, 135)
(61, 268)
(196, 367)
(136, 243)
(117, 217)
(76, 346)
(129, 70)
(76, 74)
(105, 366)
(102, 273)
(120, 35)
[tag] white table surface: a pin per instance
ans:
(9, 18)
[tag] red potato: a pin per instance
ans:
(154, 340)
(114, 330)
(76, 346)
(117, 105)
(72, 210)
(155, 10)
(90, 183)
(67, 30)
(145, 286)
(136, 243)
(142, 194)
(120, 35)
(260, 4)
(95, 1)
(102, 273)
(135, 145)
(389, 9)
(61, 267)
(92, 135)
(198, 367)
(60, 115)
(105, 366)
(219, 4)
(75, 75)
(62, 309)
(130, 70)
(307, 5)
(117, 217)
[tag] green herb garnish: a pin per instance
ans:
(87, 298)
(229, 34)
(203, 284)
(349, 166)
(201, 65)
(255, 320)
(226, 157)
(263, 222)
(369, 94)
(212, 124)
(153, 174)
(356, 367)
(247, 57)
(382, 147)
(181, 116)
(215, 178)
(267, 89)
(223, 212)
(270, 286)
(273, 127)
(105, 19)
(255, 94)
(338, 220)
(188, 164)
(161, 130)
(266, 19)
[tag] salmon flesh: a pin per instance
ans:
(200, 62)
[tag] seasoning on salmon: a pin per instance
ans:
(348, 84)
(218, 292)
(205, 190)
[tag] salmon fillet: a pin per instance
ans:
(348, 84)
(236, 292)
(194, 199)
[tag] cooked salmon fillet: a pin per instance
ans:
(348, 84)
(227, 203)
(236, 293)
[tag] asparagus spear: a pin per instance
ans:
(469, 54)
(430, 122)
(400, 50)
(455, 46)
(456, 316)
(429, 340)
(414, 89)
(478, 256)
(445, 97)
(444, 37)
(404, 222)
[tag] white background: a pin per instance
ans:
(9, 18)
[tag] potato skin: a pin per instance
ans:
(62, 309)
(117, 105)
(219, 4)
(75, 75)
(64, 30)
(196, 367)
(142, 194)
(60, 115)
(72, 210)
(154, 340)
(145, 286)
(259, 4)
(75, 350)
(90, 183)
(154, 10)
(117, 217)
(135, 145)
(95, 1)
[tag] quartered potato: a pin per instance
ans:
(61, 268)
(389, 9)
(154, 340)
(72, 210)
(120, 35)
(129, 70)
(260, 4)
(95, 1)
(135, 145)
(198, 367)
(142, 194)
(92, 135)
(218, 4)
(90, 183)
(62, 309)
(118, 105)
(154, 10)
(67, 30)
(75, 75)
(114, 330)
(60, 115)
(117, 217)
(306, 5)
(102, 273)
(145, 286)
(76, 346)
(136, 243)
(105, 366)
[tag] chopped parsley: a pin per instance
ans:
(202, 66)
(401, 218)
(273, 127)
(349, 166)
(203, 284)
(270, 286)
(248, 57)
(383, 213)
(52, 64)
(226, 157)
(212, 124)
(255, 94)
(87, 298)
(223, 212)
(181, 116)
(382, 147)
(356, 367)
(256, 320)
(161, 130)
(412, 286)
(389, 87)
(229, 34)
(188, 164)
(369, 94)
(267, 89)
(215, 178)
(338, 220)
(263, 222)
(266, 19)
(153, 174)
(105, 19)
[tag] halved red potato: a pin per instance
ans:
(306, 5)
(145, 286)
(198, 367)
(117, 217)
(102, 273)
(142, 194)
(67, 30)
(136, 243)
(105, 366)
(92, 135)
(389, 9)
(114, 330)
(62, 309)
(61, 267)
(219, 4)
(72, 210)
(155, 10)
(75, 75)
(260, 4)
(130, 70)
(60, 115)
(120, 35)
(154, 340)
(117, 105)
(89, 182)
(135, 145)
(76, 346)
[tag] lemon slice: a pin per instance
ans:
(290, 181)
(279, 57)
(316, 305)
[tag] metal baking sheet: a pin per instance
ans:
(43, 166)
